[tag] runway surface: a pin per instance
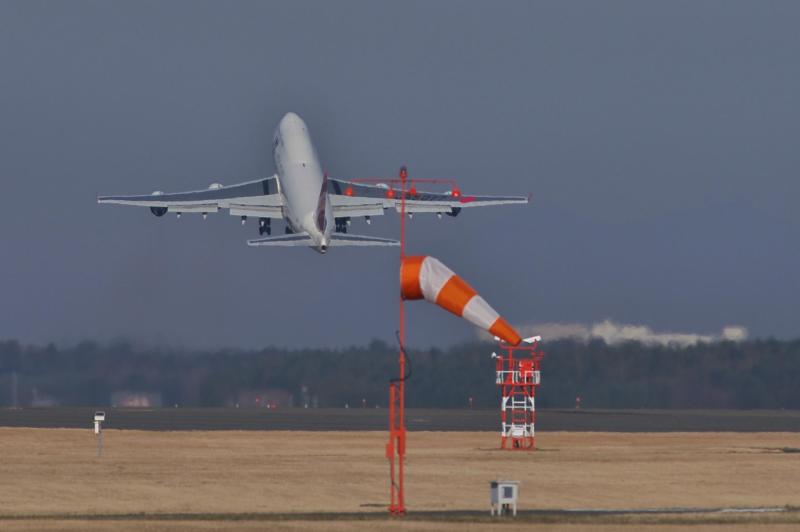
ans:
(340, 419)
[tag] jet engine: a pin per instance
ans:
(158, 211)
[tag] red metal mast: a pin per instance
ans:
(396, 448)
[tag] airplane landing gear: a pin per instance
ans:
(264, 226)
(342, 223)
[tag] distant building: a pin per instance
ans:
(131, 399)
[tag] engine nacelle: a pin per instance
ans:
(454, 212)
(158, 211)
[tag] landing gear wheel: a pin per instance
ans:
(264, 226)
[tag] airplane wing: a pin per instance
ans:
(358, 199)
(258, 198)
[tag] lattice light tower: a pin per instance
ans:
(518, 374)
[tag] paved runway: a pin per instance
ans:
(417, 419)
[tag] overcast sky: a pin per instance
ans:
(659, 141)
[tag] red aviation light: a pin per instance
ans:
(455, 192)
(348, 191)
(390, 193)
(403, 173)
(412, 191)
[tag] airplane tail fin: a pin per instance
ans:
(343, 239)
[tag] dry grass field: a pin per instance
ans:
(202, 477)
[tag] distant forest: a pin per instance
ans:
(752, 374)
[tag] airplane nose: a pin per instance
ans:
(291, 119)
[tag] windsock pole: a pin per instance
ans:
(396, 449)
(401, 428)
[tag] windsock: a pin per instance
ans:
(426, 277)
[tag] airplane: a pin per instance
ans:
(317, 210)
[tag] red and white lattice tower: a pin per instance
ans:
(518, 373)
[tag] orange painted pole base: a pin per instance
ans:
(395, 452)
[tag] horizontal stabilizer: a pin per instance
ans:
(336, 239)
(294, 239)
(343, 239)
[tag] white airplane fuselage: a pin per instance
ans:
(301, 182)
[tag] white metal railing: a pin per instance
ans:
(518, 430)
(516, 376)
(510, 403)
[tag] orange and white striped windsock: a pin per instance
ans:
(426, 277)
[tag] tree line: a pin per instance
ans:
(751, 374)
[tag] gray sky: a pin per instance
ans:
(659, 139)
